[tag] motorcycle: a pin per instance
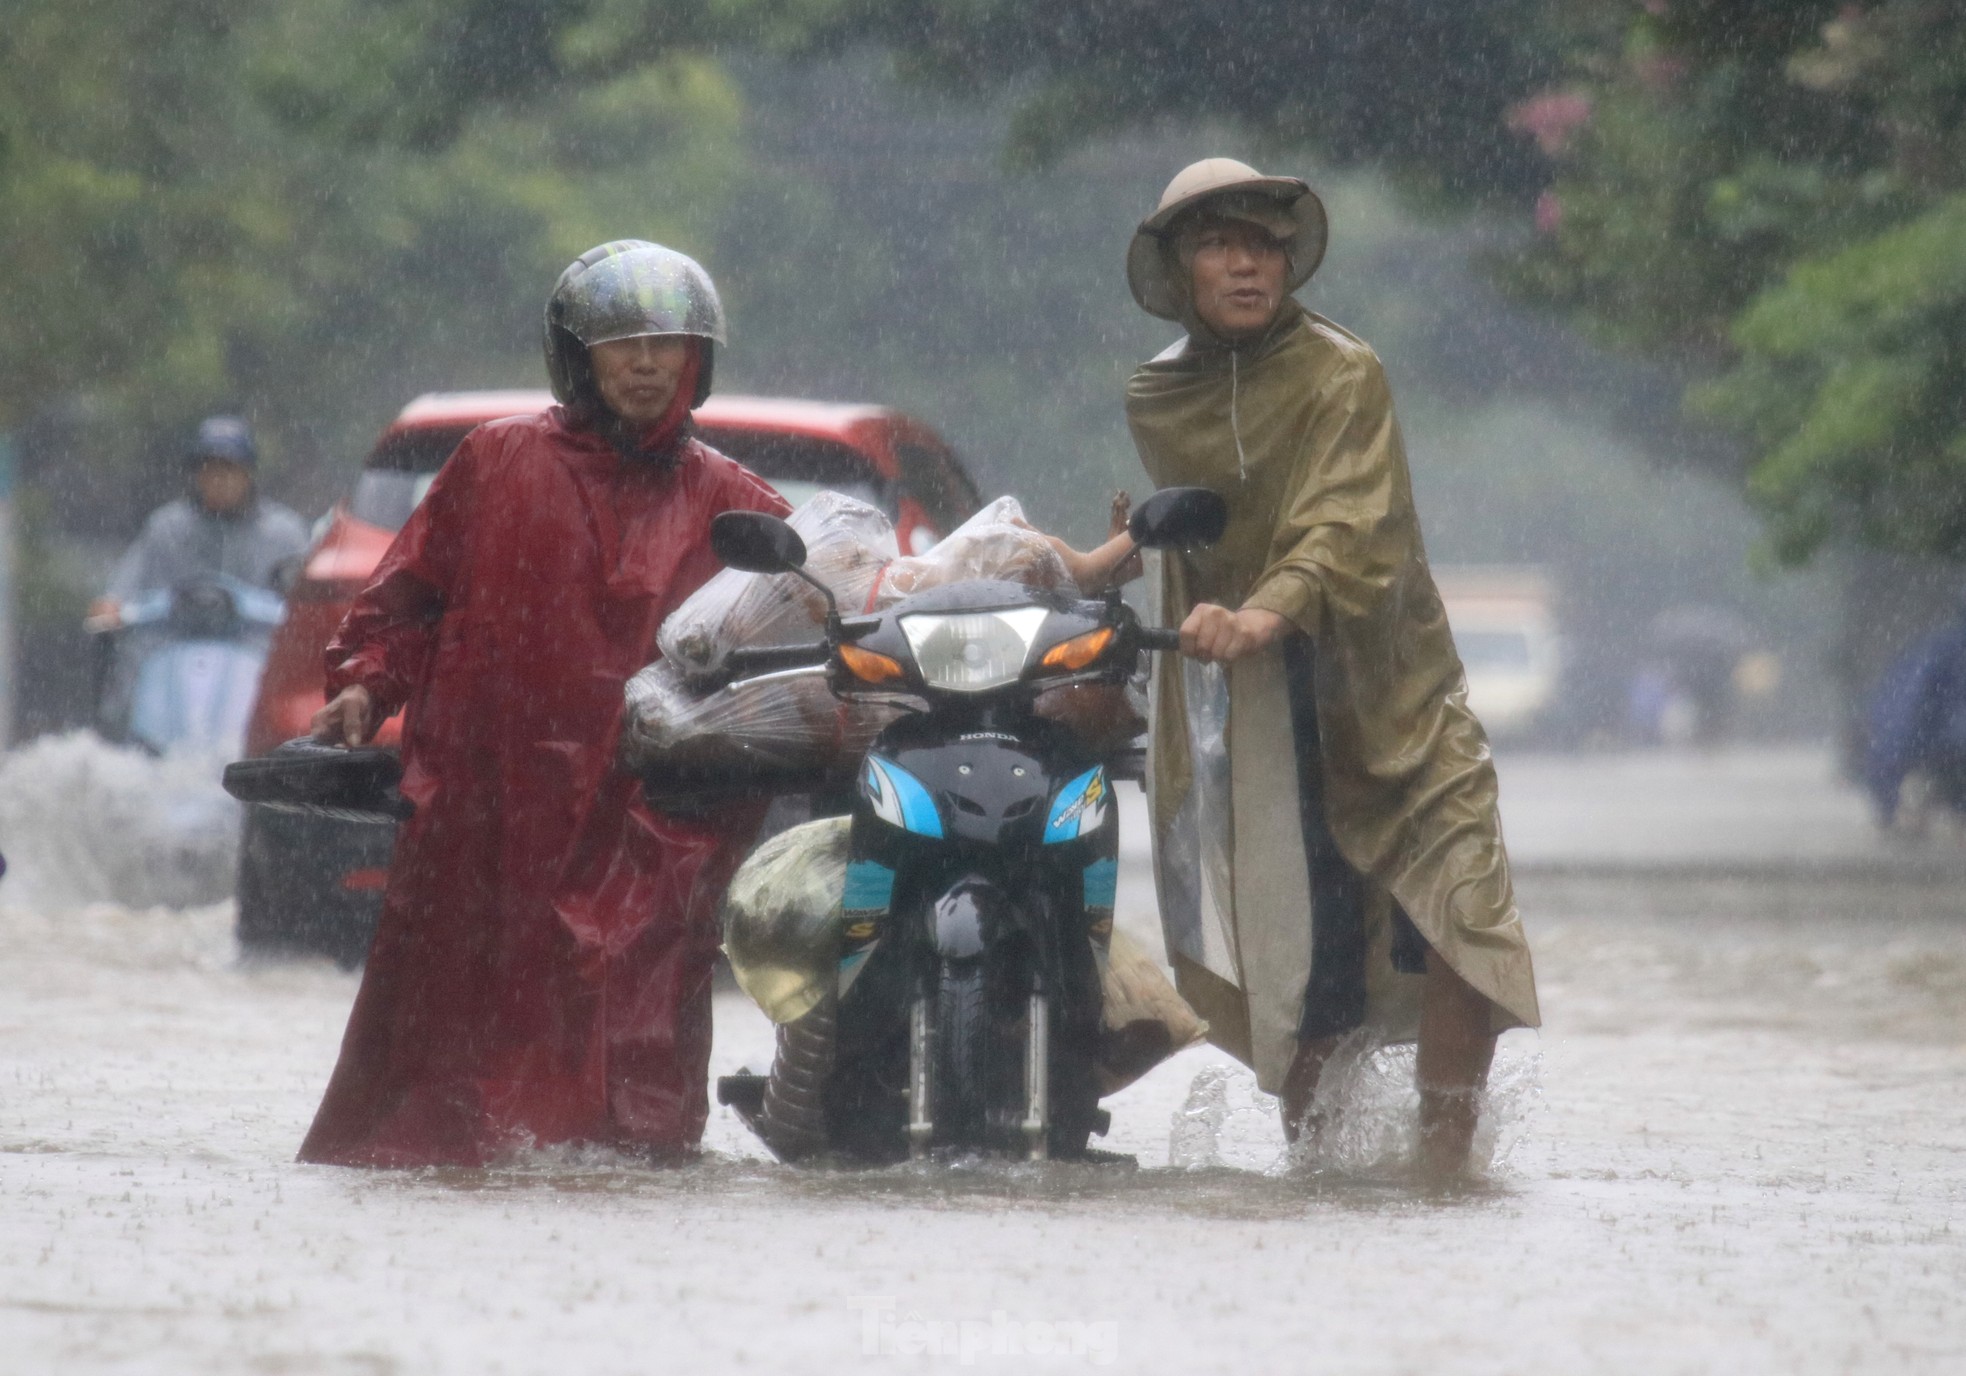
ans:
(981, 870)
(177, 668)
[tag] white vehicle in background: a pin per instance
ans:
(1504, 622)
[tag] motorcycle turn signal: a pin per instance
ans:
(1079, 651)
(869, 667)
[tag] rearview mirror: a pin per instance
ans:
(1179, 518)
(753, 542)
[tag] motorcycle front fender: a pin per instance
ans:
(970, 917)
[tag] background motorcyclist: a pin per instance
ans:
(220, 527)
(220, 530)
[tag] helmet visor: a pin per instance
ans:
(642, 291)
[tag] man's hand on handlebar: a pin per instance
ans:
(347, 720)
(1215, 634)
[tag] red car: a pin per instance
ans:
(313, 884)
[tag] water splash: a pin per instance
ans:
(84, 822)
(1226, 1123)
(1370, 1108)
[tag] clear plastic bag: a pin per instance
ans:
(994, 543)
(677, 722)
(1191, 855)
(1100, 714)
(787, 721)
(848, 544)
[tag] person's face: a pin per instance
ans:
(1237, 271)
(224, 486)
(637, 377)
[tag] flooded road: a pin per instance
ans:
(1738, 1144)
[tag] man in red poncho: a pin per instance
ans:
(541, 973)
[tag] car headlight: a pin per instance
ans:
(968, 652)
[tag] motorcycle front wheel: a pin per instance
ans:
(967, 1077)
(979, 1070)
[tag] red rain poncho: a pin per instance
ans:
(541, 973)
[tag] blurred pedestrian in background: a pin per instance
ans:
(1698, 649)
(1917, 728)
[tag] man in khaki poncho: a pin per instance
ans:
(1314, 757)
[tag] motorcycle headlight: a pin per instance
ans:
(969, 652)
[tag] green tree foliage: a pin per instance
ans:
(1418, 84)
(1756, 189)
(1851, 377)
(257, 202)
(1773, 191)
(415, 73)
(184, 232)
(254, 203)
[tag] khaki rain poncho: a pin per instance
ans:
(1296, 430)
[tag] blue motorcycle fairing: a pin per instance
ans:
(899, 798)
(986, 789)
(196, 695)
(1101, 885)
(1079, 808)
(869, 888)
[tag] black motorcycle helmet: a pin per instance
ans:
(627, 289)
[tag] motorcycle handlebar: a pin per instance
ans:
(769, 659)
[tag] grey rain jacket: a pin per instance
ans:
(184, 543)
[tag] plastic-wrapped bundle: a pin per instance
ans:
(994, 543)
(678, 725)
(848, 544)
(1100, 714)
(783, 918)
(788, 721)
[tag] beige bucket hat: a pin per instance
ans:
(1297, 218)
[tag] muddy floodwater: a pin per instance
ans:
(1738, 1145)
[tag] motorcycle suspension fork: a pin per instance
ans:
(921, 1070)
(1037, 1078)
